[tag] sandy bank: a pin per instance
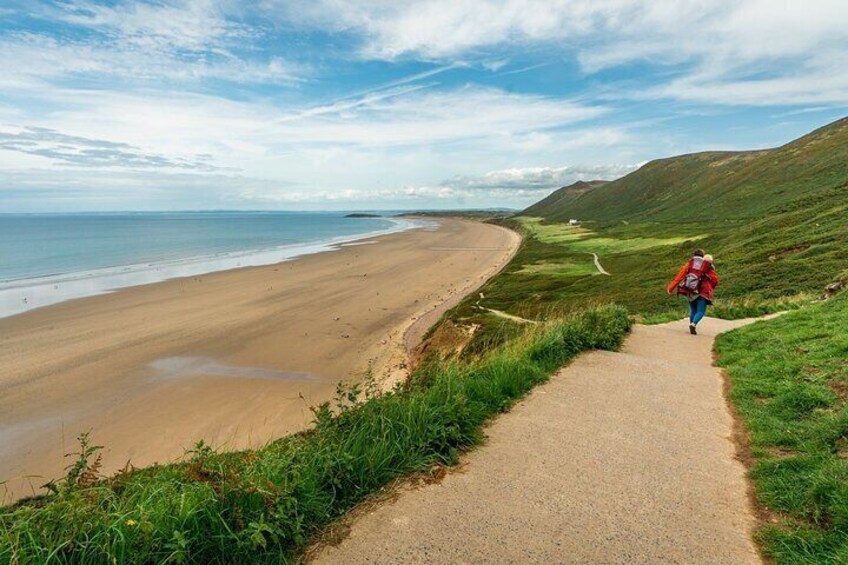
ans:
(235, 357)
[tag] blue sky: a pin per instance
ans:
(331, 104)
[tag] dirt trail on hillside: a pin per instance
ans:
(622, 457)
(601, 270)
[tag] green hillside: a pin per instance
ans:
(776, 221)
(716, 185)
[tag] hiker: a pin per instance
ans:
(696, 281)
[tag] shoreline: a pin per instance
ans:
(234, 357)
(18, 296)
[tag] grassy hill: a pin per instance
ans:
(776, 221)
(715, 185)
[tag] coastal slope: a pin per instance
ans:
(623, 457)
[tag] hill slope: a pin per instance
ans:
(722, 185)
(563, 197)
(776, 221)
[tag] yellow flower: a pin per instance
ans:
(131, 522)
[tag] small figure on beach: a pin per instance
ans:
(696, 281)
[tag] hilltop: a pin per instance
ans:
(713, 185)
(563, 197)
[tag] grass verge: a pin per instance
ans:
(262, 506)
(789, 382)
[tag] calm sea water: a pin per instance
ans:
(48, 258)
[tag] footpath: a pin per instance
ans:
(623, 457)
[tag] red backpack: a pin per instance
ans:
(695, 272)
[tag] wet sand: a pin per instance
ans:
(235, 358)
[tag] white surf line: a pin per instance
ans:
(499, 314)
(601, 270)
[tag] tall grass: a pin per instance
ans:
(261, 506)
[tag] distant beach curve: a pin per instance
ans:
(235, 357)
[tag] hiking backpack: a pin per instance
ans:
(691, 283)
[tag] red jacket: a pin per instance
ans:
(708, 282)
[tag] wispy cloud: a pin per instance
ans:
(84, 152)
(716, 46)
(275, 102)
(192, 25)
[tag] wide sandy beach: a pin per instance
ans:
(235, 358)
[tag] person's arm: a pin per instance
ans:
(673, 284)
(713, 276)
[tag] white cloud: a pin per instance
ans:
(717, 46)
(368, 145)
(411, 116)
(517, 186)
(184, 40)
(542, 179)
(195, 25)
(33, 61)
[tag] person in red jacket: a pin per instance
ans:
(696, 281)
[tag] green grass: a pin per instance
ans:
(262, 506)
(781, 260)
(559, 269)
(789, 382)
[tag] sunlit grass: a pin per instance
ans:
(606, 245)
(579, 238)
(553, 233)
(559, 269)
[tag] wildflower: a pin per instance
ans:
(131, 522)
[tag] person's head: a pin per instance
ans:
(698, 253)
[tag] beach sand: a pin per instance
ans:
(235, 358)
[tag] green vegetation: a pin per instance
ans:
(776, 222)
(263, 505)
(789, 382)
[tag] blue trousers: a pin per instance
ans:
(697, 309)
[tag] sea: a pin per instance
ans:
(50, 258)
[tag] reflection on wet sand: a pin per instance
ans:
(174, 367)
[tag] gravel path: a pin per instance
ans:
(621, 458)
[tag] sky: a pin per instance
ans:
(388, 104)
